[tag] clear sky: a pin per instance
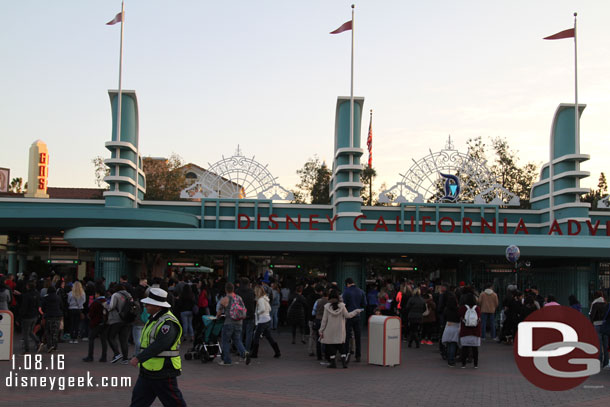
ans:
(210, 75)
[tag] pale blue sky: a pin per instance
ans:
(266, 74)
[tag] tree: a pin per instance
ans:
(505, 169)
(594, 195)
(16, 186)
(366, 177)
(315, 182)
(164, 178)
(101, 171)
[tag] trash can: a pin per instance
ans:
(6, 335)
(384, 340)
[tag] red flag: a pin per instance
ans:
(369, 142)
(569, 33)
(345, 27)
(117, 19)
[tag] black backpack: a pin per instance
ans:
(130, 309)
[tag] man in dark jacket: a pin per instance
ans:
(98, 316)
(30, 302)
(52, 307)
(247, 295)
(354, 298)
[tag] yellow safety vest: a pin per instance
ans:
(149, 334)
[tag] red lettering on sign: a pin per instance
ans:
(608, 228)
(274, 225)
(356, 223)
(521, 227)
(331, 221)
(466, 224)
(42, 171)
(555, 228)
(380, 224)
(297, 224)
(592, 230)
(424, 222)
(398, 229)
(258, 221)
(42, 158)
(440, 225)
(484, 224)
(412, 224)
(313, 222)
(578, 228)
(505, 226)
(239, 219)
(41, 183)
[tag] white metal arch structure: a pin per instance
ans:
(449, 176)
(237, 177)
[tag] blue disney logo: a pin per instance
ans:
(452, 187)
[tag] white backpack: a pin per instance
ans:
(471, 319)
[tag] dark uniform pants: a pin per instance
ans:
(147, 390)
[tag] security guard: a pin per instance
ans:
(159, 359)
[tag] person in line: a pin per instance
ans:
(118, 330)
(332, 328)
(30, 302)
(52, 308)
(5, 296)
(297, 311)
(184, 308)
(428, 320)
(451, 332)
(231, 329)
(318, 313)
(159, 359)
(76, 302)
(246, 293)
(98, 315)
(597, 313)
(275, 306)
(574, 303)
(470, 333)
(488, 301)
(263, 323)
(414, 311)
(353, 298)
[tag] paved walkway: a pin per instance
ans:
(298, 380)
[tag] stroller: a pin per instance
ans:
(207, 342)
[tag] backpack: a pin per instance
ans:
(237, 309)
(130, 309)
(471, 319)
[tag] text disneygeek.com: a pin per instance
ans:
(18, 377)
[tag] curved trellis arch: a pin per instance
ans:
(449, 176)
(237, 177)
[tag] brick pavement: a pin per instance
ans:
(299, 380)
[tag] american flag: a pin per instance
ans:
(369, 141)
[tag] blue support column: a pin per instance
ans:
(11, 254)
(231, 267)
(345, 183)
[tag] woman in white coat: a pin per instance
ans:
(332, 329)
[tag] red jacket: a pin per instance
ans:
(97, 312)
(469, 330)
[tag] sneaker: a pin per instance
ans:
(463, 366)
(52, 349)
(87, 359)
(476, 367)
(125, 361)
(429, 342)
(247, 357)
(75, 341)
(222, 363)
(41, 348)
(422, 342)
(607, 367)
(451, 364)
(85, 339)
(116, 358)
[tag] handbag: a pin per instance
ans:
(604, 328)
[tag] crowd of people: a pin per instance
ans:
(326, 315)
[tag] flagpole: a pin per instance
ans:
(351, 95)
(576, 115)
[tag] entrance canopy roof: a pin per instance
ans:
(335, 242)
